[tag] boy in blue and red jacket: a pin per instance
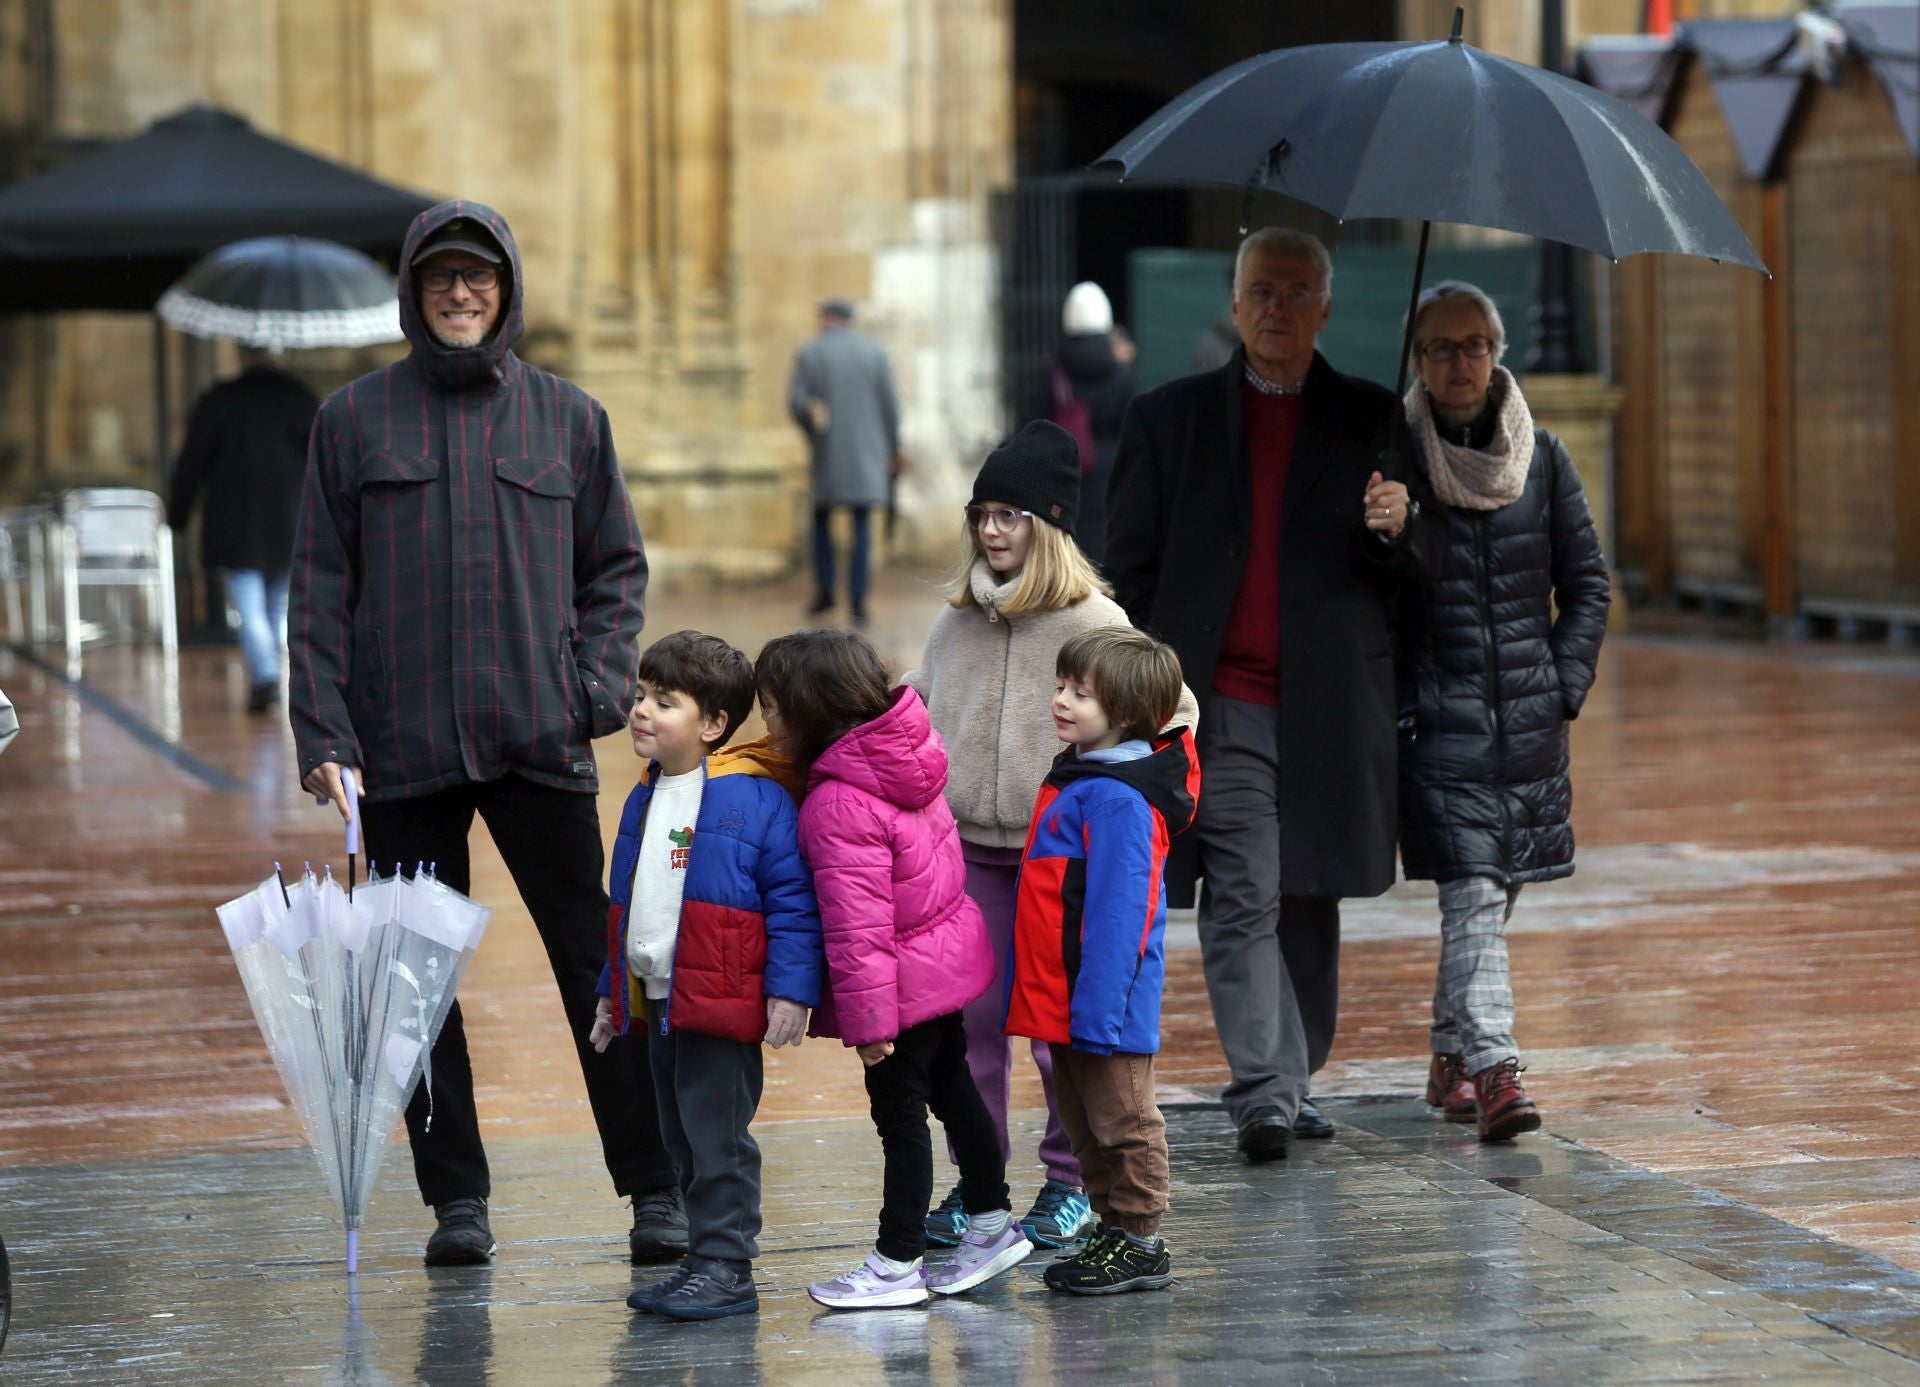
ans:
(713, 944)
(1089, 929)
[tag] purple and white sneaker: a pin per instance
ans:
(870, 1286)
(982, 1256)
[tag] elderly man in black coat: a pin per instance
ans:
(1252, 528)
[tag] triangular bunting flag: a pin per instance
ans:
(1888, 38)
(1757, 70)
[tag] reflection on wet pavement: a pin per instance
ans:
(1400, 1252)
(1716, 1011)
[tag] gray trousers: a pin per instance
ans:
(1473, 993)
(1272, 960)
(707, 1090)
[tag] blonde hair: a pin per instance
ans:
(1135, 677)
(1056, 574)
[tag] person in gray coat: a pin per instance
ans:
(842, 398)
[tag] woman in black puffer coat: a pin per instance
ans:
(1489, 678)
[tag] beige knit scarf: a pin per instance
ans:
(1472, 478)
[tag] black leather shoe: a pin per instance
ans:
(659, 1227)
(463, 1238)
(821, 604)
(1310, 1124)
(1263, 1136)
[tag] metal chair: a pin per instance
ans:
(116, 537)
(23, 563)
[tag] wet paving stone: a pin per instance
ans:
(1710, 1205)
(1376, 1257)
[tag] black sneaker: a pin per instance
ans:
(463, 1238)
(1263, 1135)
(262, 697)
(710, 1291)
(659, 1227)
(821, 604)
(649, 1297)
(1113, 1261)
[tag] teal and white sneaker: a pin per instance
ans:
(947, 1224)
(1060, 1215)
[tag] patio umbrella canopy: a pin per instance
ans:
(112, 229)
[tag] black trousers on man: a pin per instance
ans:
(550, 840)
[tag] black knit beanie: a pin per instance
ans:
(1038, 469)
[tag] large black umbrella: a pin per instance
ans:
(1439, 132)
(113, 228)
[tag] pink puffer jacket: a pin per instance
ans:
(905, 943)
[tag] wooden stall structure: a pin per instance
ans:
(1768, 449)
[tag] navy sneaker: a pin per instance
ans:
(1060, 1216)
(649, 1297)
(947, 1224)
(710, 1291)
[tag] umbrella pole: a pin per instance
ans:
(1397, 423)
(1413, 302)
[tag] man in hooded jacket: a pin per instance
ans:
(466, 597)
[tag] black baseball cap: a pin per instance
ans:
(462, 233)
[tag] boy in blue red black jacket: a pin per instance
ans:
(1089, 929)
(713, 944)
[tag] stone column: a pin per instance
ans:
(1580, 409)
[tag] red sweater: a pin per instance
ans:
(1249, 665)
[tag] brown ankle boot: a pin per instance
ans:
(1505, 1109)
(1450, 1090)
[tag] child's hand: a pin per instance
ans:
(601, 1035)
(786, 1022)
(871, 1055)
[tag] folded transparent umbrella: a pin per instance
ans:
(350, 988)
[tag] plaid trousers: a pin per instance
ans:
(1473, 994)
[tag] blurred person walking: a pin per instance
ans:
(842, 397)
(244, 462)
(1088, 391)
(467, 597)
(1495, 658)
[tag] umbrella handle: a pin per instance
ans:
(349, 784)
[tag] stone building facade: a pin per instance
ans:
(686, 179)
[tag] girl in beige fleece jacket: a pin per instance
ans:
(1022, 589)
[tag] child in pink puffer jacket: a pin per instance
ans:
(906, 951)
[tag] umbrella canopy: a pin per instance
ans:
(1439, 132)
(113, 228)
(286, 291)
(350, 995)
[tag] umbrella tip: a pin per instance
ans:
(1459, 24)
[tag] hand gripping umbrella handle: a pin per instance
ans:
(351, 786)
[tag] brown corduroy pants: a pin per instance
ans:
(1118, 1135)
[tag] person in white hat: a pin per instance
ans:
(1088, 391)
